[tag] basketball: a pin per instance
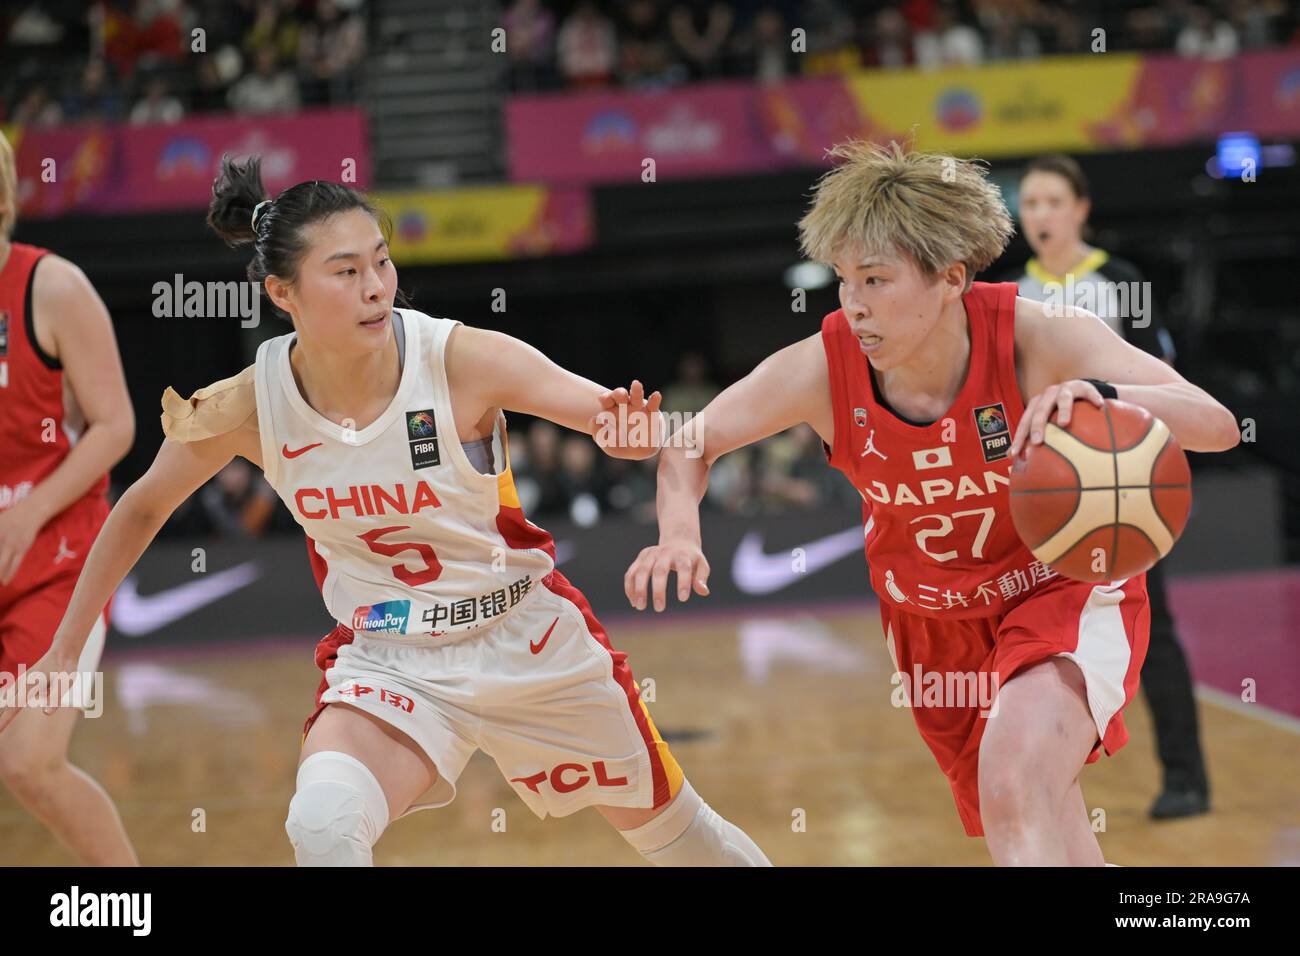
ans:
(1105, 497)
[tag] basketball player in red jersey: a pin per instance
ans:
(923, 387)
(65, 419)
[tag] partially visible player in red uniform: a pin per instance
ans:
(65, 419)
(924, 386)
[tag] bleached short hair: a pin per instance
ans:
(936, 209)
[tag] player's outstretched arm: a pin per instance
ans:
(1054, 353)
(179, 469)
(487, 369)
(787, 388)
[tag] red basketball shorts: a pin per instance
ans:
(32, 604)
(1102, 628)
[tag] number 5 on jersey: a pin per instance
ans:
(432, 568)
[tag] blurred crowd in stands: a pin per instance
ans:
(563, 474)
(584, 43)
(158, 60)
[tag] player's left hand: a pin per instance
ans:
(1058, 399)
(18, 529)
(634, 431)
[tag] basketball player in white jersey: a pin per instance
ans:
(383, 431)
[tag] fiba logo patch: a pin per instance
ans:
(995, 437)
(422, 435)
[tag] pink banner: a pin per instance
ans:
(732, 127)
(1177, 100)
(741, 127)
(1271, 93)
(1184, 100)
(564, 224)
(113, 169)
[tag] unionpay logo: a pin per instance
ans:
(390, 616)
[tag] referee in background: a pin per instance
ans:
(1054, 206)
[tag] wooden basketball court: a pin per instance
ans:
(782, 721)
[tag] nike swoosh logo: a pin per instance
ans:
(537, 648)
(135, 614)
(755, 572)
(299, 451)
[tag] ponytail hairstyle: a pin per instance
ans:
(277, 232)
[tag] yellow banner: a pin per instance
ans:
(495, 222)
(1001, 109)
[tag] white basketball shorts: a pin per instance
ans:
(542, 692)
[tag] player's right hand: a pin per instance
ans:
(33, 691)
(19, 526)
(651, 568)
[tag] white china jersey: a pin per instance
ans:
(406, 536)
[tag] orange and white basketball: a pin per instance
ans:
(1105, 497)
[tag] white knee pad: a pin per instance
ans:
(337, 813)
(690, 833)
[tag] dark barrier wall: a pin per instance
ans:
(261, 589)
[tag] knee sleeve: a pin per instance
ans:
(690, 833)
(337, 813)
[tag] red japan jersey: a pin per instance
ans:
(32, 409)
(936, 505)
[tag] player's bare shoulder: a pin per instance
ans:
(1039, 331)
(467, 353)
(472, 354)
(810, 380)
(471, 357)
(60, 294)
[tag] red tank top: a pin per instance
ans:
(939, 537)
(32, 407)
